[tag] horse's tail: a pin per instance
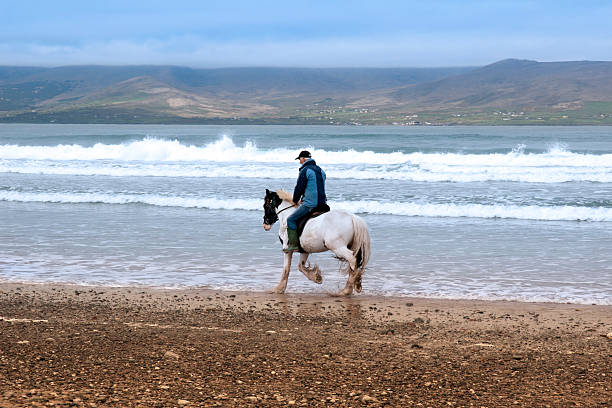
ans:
(360, 248)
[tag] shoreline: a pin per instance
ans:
(82, 345)
(253, 292)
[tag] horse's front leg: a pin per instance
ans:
(311, 272)
(282, 285)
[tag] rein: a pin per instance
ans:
(286, 208)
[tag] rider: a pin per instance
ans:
(309, 192)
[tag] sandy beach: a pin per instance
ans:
(64, 345)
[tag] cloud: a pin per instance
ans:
(383, 51)
(316, 33)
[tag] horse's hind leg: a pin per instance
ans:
(347, 255)
(311, 272)
(282, 285)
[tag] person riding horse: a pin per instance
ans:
(309, 191)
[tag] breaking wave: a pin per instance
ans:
(159, 150)
(222, 158)
(407, 172)
(547, 213)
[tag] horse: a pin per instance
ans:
(341, 232)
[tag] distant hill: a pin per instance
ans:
(161, 93)
(518, 84)
(172, 94)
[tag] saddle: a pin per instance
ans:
(315, 212)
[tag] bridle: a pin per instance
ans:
(276, 212)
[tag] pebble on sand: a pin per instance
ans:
(367, 399)
(169, 355)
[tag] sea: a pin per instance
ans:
(460, 212)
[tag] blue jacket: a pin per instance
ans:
(310, 185)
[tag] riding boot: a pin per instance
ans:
(294, 241)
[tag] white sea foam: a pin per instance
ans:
(551, 213)
(224, 150)
(442, 173)
(149, 199)
(163, 158)
(158, 150)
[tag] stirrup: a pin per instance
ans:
(290, 249)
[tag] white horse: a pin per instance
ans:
(343, 233)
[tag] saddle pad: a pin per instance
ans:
(321, 209)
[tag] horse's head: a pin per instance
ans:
(271, 203)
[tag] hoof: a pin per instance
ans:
(278, 291)
(358, 285)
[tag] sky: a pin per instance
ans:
(230, 33)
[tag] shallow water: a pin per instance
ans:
(519, 213)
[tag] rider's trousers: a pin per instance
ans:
(295, 217)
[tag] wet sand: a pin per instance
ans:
(123, 347)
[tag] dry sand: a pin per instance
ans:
(123, 347)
